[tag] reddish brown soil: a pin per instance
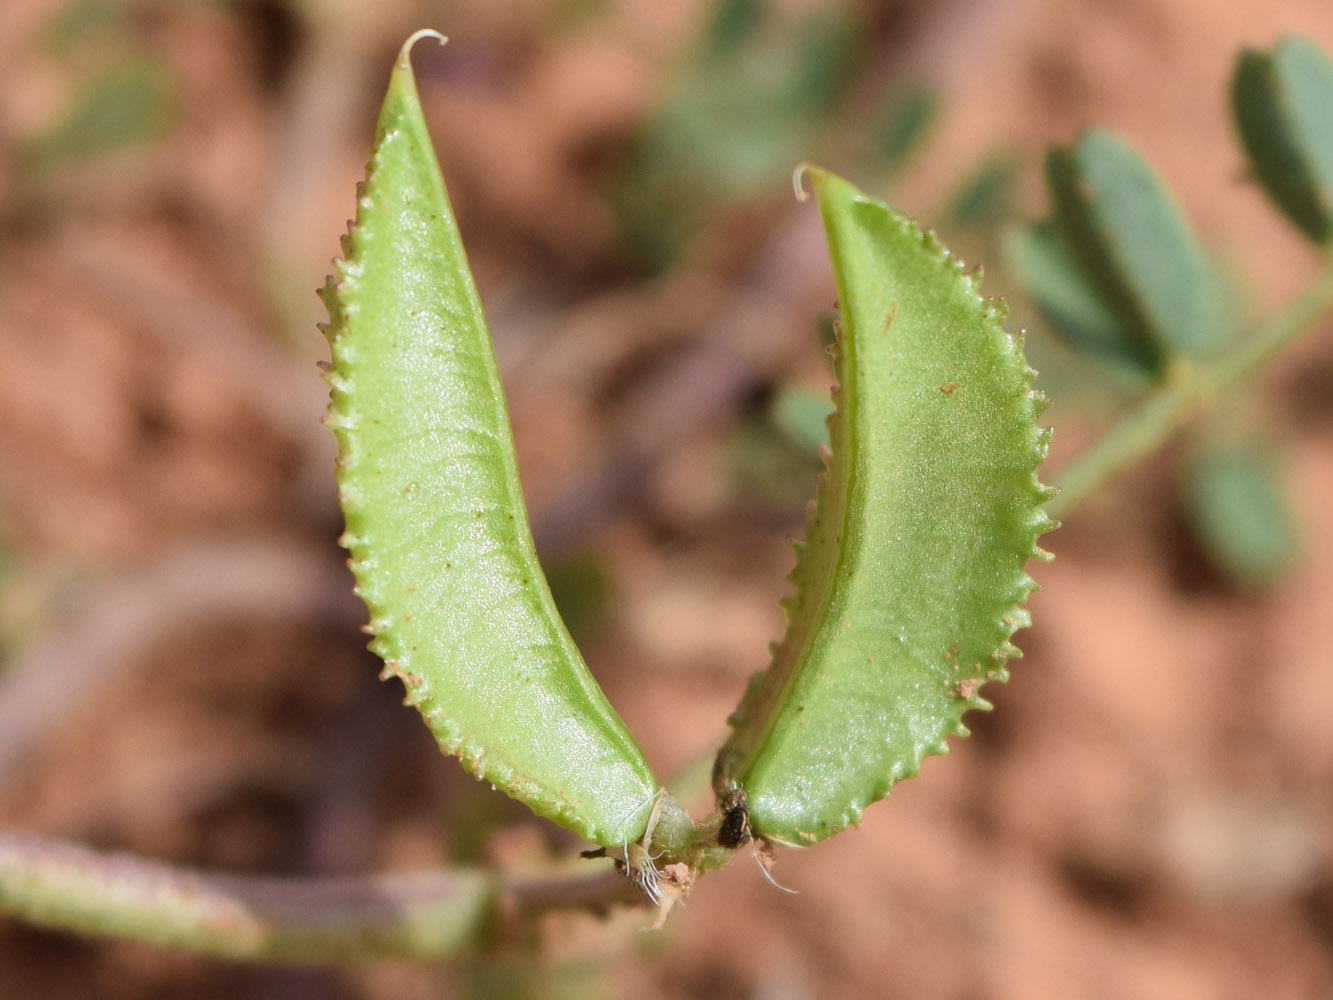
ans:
(1147, 813)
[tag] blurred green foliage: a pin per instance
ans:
(747, 103)
(581, 586)
(767, 463)
(124, 95)
(801, 414)
(1120, 275)
(1077, 310)
(905, 122)
(1281, 101)
(131, 103)
(984, 199)
(1133, 245)
(1240, 512)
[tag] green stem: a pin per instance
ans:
(1182, 392)
(423, 915)
(426, 915)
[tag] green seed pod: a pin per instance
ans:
(912, 576)
(436, 524)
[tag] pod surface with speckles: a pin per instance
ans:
(436, 525)
(912, 576)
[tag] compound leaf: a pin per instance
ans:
(912, 577)
(436, 525)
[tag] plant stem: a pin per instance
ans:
(1182, 392)
(427, 915)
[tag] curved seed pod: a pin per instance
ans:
(1281, 104)
(1134, 244)
(436, 525)
(911, 579)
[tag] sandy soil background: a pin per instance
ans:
(1148, 812)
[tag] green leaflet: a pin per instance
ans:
(907, 118)
(985, 196)
(1133, 243)
(1076, 309)
(911, 579)
(1281, 102)
(436, 526)
(1240, 511)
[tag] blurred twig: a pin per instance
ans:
(258, 577)
(431, 914)
(185, 317)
